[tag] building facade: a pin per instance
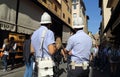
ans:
(78, 10)
(61, 12)
(112, 28)
(105, 13)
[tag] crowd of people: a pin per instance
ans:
(107, 57)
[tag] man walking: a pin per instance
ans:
(78, 48)
(43, 42)
(12, 52)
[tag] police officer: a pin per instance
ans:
(78, 48)
(48, 47)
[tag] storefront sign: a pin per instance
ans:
(7, 26)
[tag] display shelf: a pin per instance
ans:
(19, 39)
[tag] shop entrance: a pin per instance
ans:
(3, 34)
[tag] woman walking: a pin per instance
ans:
(5, 49)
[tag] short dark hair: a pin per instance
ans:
(12, 39)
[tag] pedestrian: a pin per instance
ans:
(43, 42)
(59, 58)
(59, 55)
(12, 52)
(78, 48)
(114, 60)
(5, 49)
(28, 56)
(94, 54)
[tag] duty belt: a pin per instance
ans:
(45, 58)
(84, 65)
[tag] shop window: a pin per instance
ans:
(19, 39)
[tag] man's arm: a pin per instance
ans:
(3, 47)
(51, 48)
(68, 52)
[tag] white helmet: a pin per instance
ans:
(78, 22)
(45, 18)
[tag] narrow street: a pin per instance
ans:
(19, 72)
(86, 30)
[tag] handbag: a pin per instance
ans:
(45, 68)
(45, 65)
(1, 54)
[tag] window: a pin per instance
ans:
(63, 15)
(68, 8)
(74, 23)
(55, 8)
(66, 0)
(74, 15)
(44, 1)
(74, 1)
(69, 20)
(74, 6)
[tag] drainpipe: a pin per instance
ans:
(17, 11)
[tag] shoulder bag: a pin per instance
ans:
(45, 65)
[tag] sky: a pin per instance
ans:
(93, 11)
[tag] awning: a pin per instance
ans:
(12, 27)
(28, 18)
(24, 30)
(7, 26)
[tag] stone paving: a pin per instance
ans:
(19, 72)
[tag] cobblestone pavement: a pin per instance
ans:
(17, 72)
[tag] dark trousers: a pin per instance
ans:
(78, 72)
(12, 59)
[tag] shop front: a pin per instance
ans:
(18, 19)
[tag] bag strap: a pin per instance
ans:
(42, 40)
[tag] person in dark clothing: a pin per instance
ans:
(59, 57)
(13, 46)
(28, 57)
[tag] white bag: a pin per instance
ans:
(45, 65)
(45, 68)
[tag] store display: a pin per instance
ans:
(19, 39)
